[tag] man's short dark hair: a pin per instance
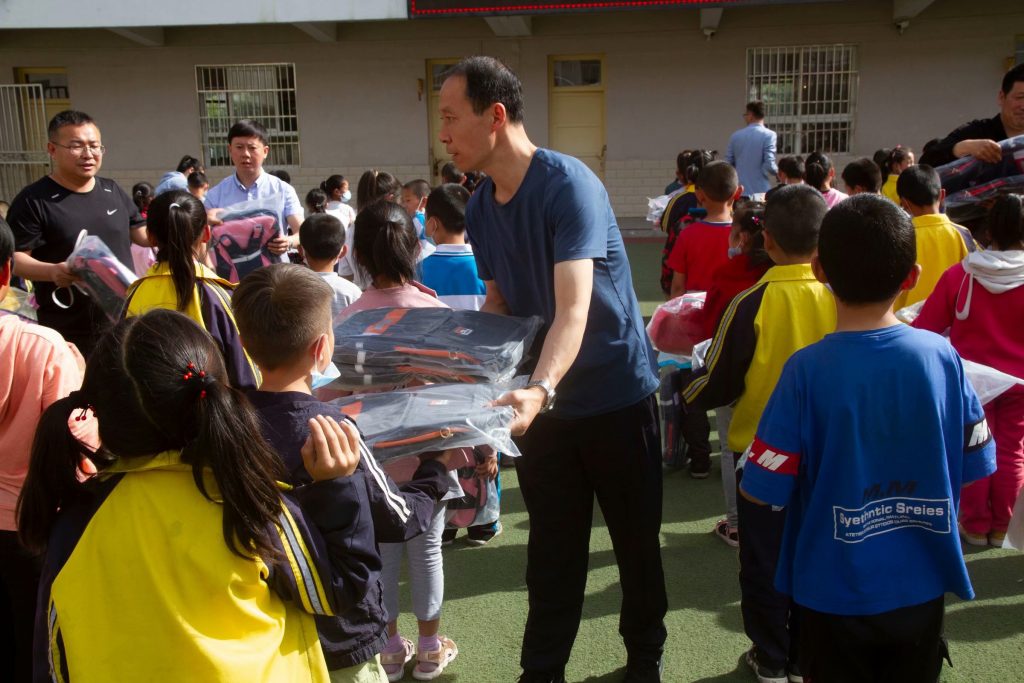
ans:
(447, 204)
(1014, 75)
(281, 310)
(919, 185)
(792, 216)
(68, 117)
(718, 180)
(792, 167)
(322, 236)
(6, 243)
(188, 161)
(863, 173)
(756, 109)
(867, 248)
(489, 81)
(248, 128)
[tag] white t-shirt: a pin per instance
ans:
(345, 292)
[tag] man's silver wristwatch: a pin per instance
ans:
(549, 393)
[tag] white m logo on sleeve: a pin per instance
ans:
(770, 460)
(979, 434)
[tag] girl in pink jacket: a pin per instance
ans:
(981, 302)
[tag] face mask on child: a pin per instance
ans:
(346, 196)
(319, 379)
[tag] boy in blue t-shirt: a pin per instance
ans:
(867, 439)
(451, 269)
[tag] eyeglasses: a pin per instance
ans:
(79, 149)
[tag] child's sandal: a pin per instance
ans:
(394, 662)
(436, 660)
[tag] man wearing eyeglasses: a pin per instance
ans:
(48, 216)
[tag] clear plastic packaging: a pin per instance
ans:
(674, 327)
(656, 208)
(103, 278)
(20, 303)
(407, 422)
(972, 203)
(989, 383)
(479, 503)
(239, 245)
(1015, 532)
(970, 171)
(908, 314)
(363, 377)
(431, 343)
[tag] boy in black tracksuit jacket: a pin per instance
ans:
(399, 513)
(270, 305)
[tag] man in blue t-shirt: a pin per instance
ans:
(546, 243)
(867, 440)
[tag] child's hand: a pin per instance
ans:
(332, 449)
(489, 467)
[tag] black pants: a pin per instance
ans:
(900, 646)
(19, 584)
(769, 617)
(565, 463)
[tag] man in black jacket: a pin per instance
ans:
(979, 138)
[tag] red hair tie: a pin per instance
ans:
(194, 375)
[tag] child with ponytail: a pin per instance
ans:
(183, 558)
(180, 280)
(386, 246)
(820, 175)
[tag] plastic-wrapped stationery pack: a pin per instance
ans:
(20, 303)
(407, 422)
(377, 346)
(103, 278)
(673, 327)
(970, 171)
(239, 245)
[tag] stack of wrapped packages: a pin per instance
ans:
(450, 367)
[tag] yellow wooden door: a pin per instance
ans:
(576, 117)
(438, 156)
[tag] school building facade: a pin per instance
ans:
(348, 85)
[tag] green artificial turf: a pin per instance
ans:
(485, 601)
(485, 594)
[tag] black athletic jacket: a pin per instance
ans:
(399, 513)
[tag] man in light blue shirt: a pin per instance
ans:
(178, 179)
(752, 151)
(247, 145)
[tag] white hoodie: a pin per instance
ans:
(996, 271)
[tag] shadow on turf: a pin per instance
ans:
(739, 673)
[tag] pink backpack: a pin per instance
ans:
(239, 245)
(480, 504)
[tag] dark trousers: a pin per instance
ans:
(900, 646)
(565, 463)
(769, 617)
(19, 584)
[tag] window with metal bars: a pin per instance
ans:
(263, 92)
(810, 95)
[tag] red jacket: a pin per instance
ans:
(728, 280)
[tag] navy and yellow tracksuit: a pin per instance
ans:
(210, 306)
(138, 583)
